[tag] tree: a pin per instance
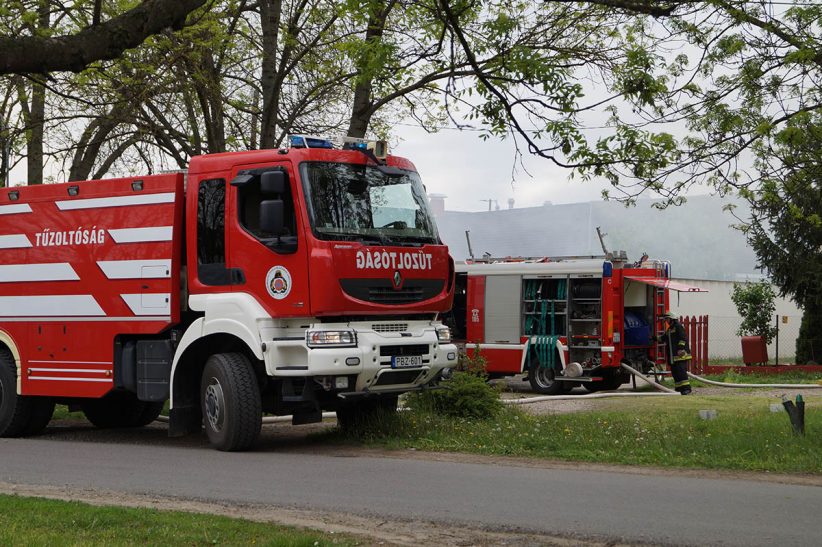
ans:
(786, 225)
(755, 304)
(100, 41)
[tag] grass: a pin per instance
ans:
(796, 377)
(658, 432)
(35, 521)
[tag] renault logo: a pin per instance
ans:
(397, 279)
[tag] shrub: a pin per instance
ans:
(809, 343)
(755, 303)
(473, 364)
(465, 395)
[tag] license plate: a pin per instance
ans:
(406, 361)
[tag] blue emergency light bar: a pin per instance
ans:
(378, 148)
(301, 141)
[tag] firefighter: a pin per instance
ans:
(677, 351)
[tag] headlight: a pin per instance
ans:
(444, 334)
(326, 338)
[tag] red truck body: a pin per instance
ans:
(563, 322)
(124, 289)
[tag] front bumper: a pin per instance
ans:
(370, 360)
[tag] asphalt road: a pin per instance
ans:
(628, 507)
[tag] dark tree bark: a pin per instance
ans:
(107, 40)
(362, 111)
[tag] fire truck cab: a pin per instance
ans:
(285, 282)
(563, 321)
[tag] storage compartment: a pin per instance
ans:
(544, 307)
(637, 328)
(585, 308)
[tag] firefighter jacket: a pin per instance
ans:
(675, 340)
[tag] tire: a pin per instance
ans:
(542, 379)
(20, 416)
(150, 413)
(230, 401)
(353, 415)
(120, 409)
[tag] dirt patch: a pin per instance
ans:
(369, 530)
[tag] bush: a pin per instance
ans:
(809, 343)
(465, 395)
(473, 364)
(755, 303)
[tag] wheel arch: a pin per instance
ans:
(190, 359)
(7, 342)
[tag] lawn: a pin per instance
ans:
(35, 521)
(746, 435)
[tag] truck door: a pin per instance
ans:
(275, 265)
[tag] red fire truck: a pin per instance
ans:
(286, 281)
(564, 321)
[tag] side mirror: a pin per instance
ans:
(271, 216)
(273, 182)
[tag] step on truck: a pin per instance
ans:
(564, 322)
(283, 282)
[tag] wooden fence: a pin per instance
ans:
(696, 327)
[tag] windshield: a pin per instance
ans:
(358, 202)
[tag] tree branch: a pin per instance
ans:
(108, 40)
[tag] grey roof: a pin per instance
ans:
(696, 237)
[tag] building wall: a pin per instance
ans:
(723, 320)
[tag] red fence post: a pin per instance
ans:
(696, 329)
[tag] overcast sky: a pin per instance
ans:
(468, 170)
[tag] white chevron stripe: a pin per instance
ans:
(148, 303)
(121, 201)
(136, 269)
(58, 271)
(14, 241)
(15, 209)
(141, 235)
(70, 305)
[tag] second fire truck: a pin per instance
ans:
(564, 321)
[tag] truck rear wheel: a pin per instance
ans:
(230, 399)
(120, 409)
(353, 415)
(543, 379)
(20, 416)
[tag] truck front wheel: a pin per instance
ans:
(230, 399)
(20, 416)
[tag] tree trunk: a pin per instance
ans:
(361, 110)
(37, 108)
(270, 14)
(35, 132)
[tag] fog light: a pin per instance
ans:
(451, 356)
(341, 382)
(352, 361)
(446, 373)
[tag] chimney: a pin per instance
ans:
(510, 203)
(437, 203)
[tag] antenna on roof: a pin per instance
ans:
(602, 235)
(468, 239)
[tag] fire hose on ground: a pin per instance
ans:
(663, 391)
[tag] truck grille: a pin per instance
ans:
(382, 291)
(390, 327)
(390, 378)
(410, 349)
